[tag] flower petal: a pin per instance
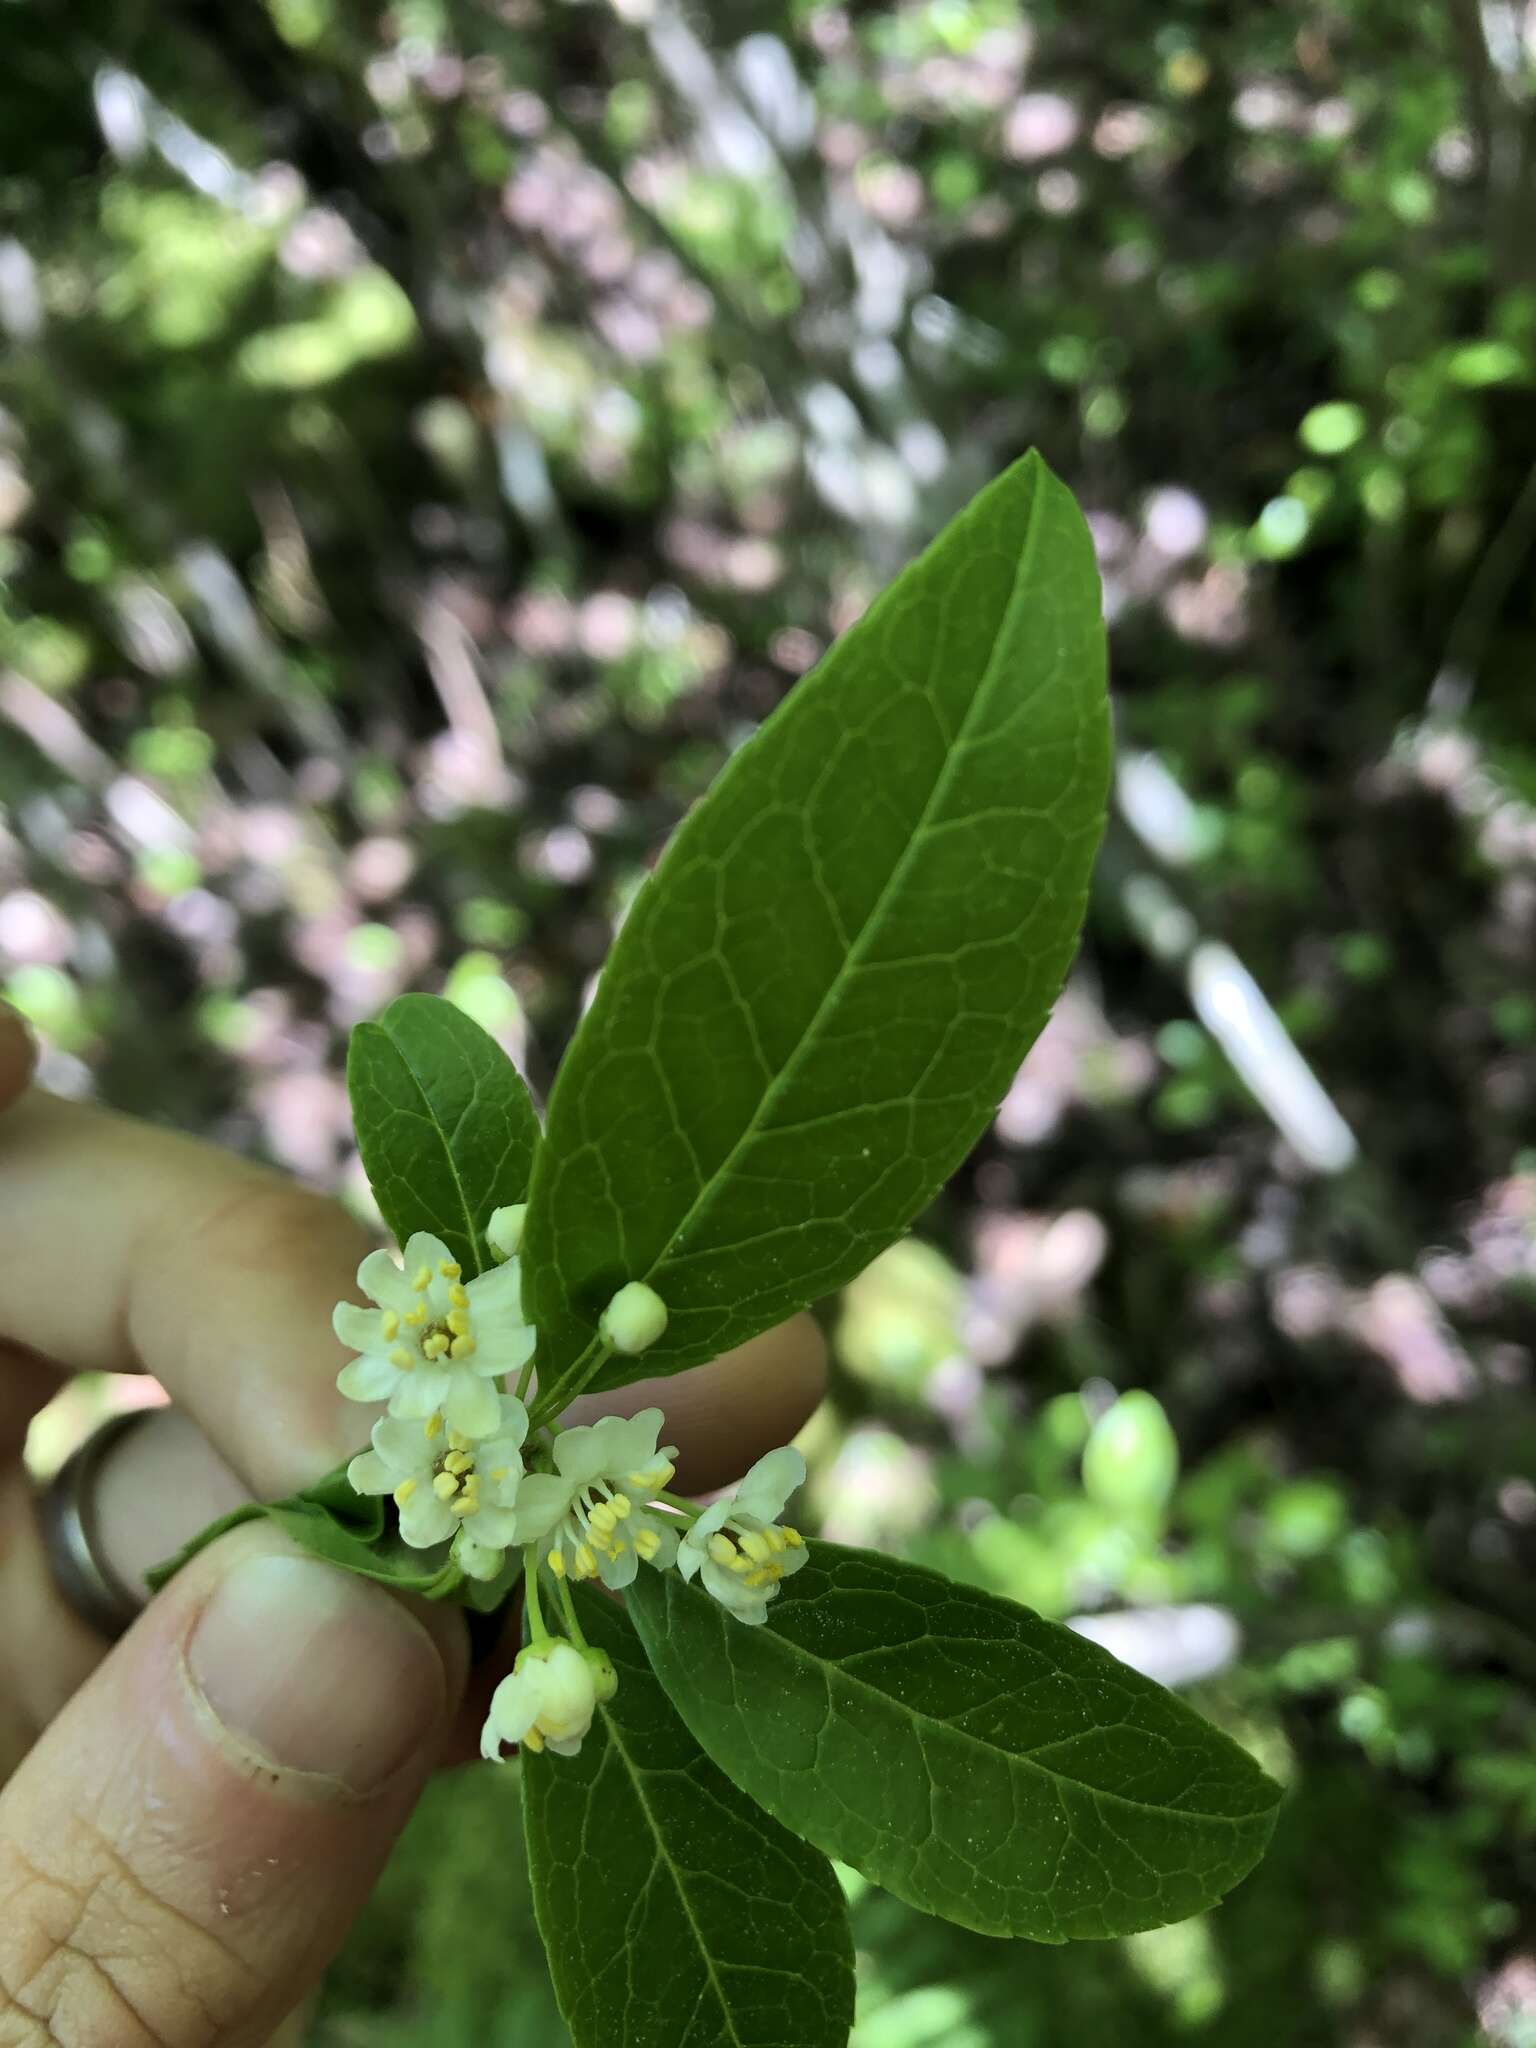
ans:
(542, 1501)
(423, 1249)
(369, 1378)
(618, 1572)
(493, 1527)
(425, 1522)
(473, 1406)
(404, 1445)
(770, 1483)
(419, 1394)
(368, 1473)
(579, 1455)
(360, 1329)
(382, 1281)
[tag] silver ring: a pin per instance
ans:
(67, 1517)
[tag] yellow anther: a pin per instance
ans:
(556, 1563)
(620, 1505)
(462, 1347)
(457, 1441)
(722, 1550)
(449, 1268)
(434, 1346)
(422, 1279)
(434, 1427)
(617, 1547)
(466, 1504)
(458, 1461)
(402, 1359)
(404, 1491)
(585, 1562)
(764, 1576)
(533, 1740)
(458, 1322)
(756, 1547)
(647, 1543)
(458, 1297)
(602, 1519)
(415, 1317)
(445, 1486)
(773, 1536)
(652, 1481)
(793, 1538)
(471, 1482)
(389, 1324)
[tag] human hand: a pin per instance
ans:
(194, 1816)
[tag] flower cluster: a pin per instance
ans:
(454, 1453)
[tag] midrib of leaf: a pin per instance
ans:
(874, 920)
(429, 1117)
(675, 1875)
(1027, 1758)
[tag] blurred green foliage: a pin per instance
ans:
(432, 436)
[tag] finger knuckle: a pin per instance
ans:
(98, 1960)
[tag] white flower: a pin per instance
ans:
(434, 1343)
(634, 1319)
(447, 1485)
(738, 1543)
(548, 1699)
(591, 1508)
(504, 1232)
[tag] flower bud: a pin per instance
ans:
(634, 1319)
(505, 1229)
(605, 1680)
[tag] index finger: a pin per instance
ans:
(127, 1248)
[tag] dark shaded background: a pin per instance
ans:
(431, 437)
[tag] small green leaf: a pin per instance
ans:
(675, 1912)
(979, 1762)
(818, 1000)
(444, 1123)
(344, 1528)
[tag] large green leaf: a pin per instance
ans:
(444, 1123)
(819, 998)
(675, 1912)
(979, 1762)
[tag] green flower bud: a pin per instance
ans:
(505, 1229)
(634, 1319)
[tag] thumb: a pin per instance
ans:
(182, 1850)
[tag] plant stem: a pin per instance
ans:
(568, 1607)
(690, 1508)
(536, 1628)
(570, 1384)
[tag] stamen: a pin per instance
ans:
(465, 1505)
(433, 1347)
(449, 1268)
(533, 1740)
(793, 1538)
(602, 1519)
(647, 1543)
(389, 1325)
(415, 1317)
(586, 1562)
(422, 1280)
(458, 1322)
(556, 1563)
(445, 1486)
(462, 1347)
(722, 1550)
(773, 1536)
(434, 1426)
(755, 1547)
(458, 1297)
(404, 1491)
(457, 1441)
(458, 1461)
(401, 1359)
(620, 1505)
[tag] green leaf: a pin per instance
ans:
(347, 1529)
(675, 1912)
(444, 1123)
(818, 1000)
(979, 1762)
